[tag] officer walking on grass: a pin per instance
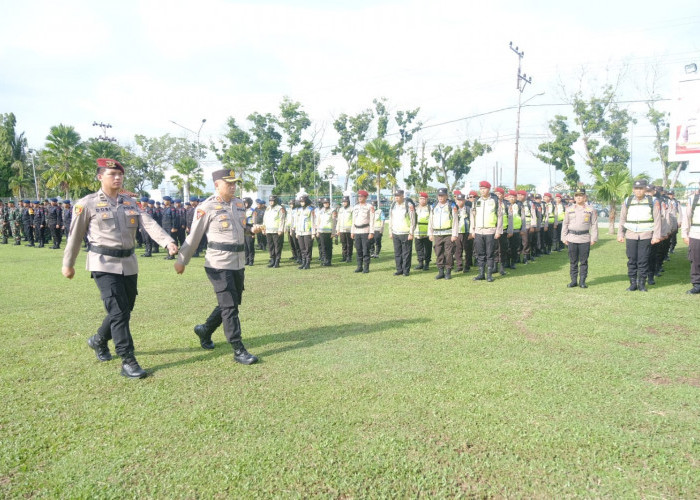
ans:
(222, 218)
(111, 220)
(690, 232)
(579, 231)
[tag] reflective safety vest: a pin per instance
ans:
(325, 220)
(560, 212)
(550, 212)
(640, 214)
(463, 214)
(273, 218)
(486, 212)
(249, 212)
(517, 217)
(402, 224)
(304, 220)
(378, 220)
(442, 217)
(344, 219)
(506, 206)
(528, 213)
(422, 220)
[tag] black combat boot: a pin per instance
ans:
(204, 335)
(694, 291)
(651, 280)
(418, 266)
(307, 264)
(501, 270)
(302, 264)
(641, 284)
(574, 281)
(99, 345)
(365, 268)
(426, 267)
(448, 274)
(480, 276)
(131, 367)
(271, 263)
(582, 283)
(277, 263)
(440, 275)
(489, 274)
(633, 285)
(358, 269)
(241, 355)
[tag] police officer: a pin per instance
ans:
(28, 222)
(462, 243)
(690, 232)
(326, 219)
(442, 231)
(486, 226)
(423, 243)
(516, 216)
(579, 231)
(259, 221)
(4, 223)
(343, 228)
(529, 236)
(14, 217)
(552, 222)
(39, 223)
(249, 237)
(222, 218)
(304, 222)
(147, 208)
(375, 245)
(53, 222)
(291, 235)
(560, 210)
(170, 220)
(66, 218)
(273, 226)
(640, 227)
(110, 221)
(181, 221)
(402, 223)
(362, 230)
(502, 245)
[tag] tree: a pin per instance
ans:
(382, 116)
(156, 154)
(404, 119)
(65, 154)
(190, 173)
(421, 171)
(378, 164)
(353, 132)
(235, 153)
(454, 164)
(661, 133)
(12, 156)
(266, 146)
(559, 152)
(299, 170)
(612, 189)
(293, 121)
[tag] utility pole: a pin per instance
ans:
(104, 127)
(521, 82)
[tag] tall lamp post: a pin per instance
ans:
(199, 151)
(36, 185)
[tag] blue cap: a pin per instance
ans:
(67, 202)
(151, 202)
(144, 198)
(167, 198)
(258, 200)
(26, 201)
(54, 200)
(194, 198)
(177, 200)
(36, 202)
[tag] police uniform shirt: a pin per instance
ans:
(401, 219)
(443, 220)
(362, 219)
(344, 219)
(580, 219)
(627, 230)
(222, 223)
(110, 223)
(479, 224)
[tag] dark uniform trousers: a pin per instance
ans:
(249, 246)
(443, 251)
(556, 236)
(294, 245)
(655, 259)
(526, 248)
(362, 249)
(325, 247)
(502, 249)
(228, 286)
(637, 258)
(147, 241)
(375, 244)
(306, 245)
(403, 251)
(485, 246)
(274, 243)
(346, 244)
(694, 258)
(463, 247)
(424, 249)
(578, 260)
(513, 247)
(118, 293)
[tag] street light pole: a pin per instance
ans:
(36, 185)
(186, 188)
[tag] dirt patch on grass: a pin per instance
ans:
(636, 345)
(658, 380)
(693, 381)
(673, 330)
(522, 327)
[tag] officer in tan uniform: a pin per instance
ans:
(579, 231)
(442, 231)
(111, 221)
(362, 230)
(690, 232)
(402, 223)
(222, 218)
(640, 227)
(486, 227)
(273, 227)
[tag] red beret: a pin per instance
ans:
(485, 184)
(523, 192)
(558, 195)
(472, 193)
(362, 192)
(500, 190)
(109, 163)
(511, 192)
(456, 192)
(548, 194)
(423, 194)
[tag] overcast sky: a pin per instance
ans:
(140, 64)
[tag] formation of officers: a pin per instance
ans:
(493, 231)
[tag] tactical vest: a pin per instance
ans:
(344, 219)
(528, 213)
(463, 214)
(422, 220)
(378, 222)
(550, 212)
(560, 212)
(273, 218)
(304, 223)
(325, 220)
(486, 212)
(443, 216)
(249, 216)
(517, 217)
(506, 206)
(403, 225)
(640, 214)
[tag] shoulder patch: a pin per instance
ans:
(200, 213)
(78, 209)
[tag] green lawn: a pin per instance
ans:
(368, 386)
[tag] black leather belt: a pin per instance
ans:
(228, 247)
(361, 226)
(111, 252)
(579, 233)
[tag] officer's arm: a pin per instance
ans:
(78, 227)
(283, 221)
(623, 219)
(156, 232)
(594, 227)
(200, 225)
(565, 228)
(656, 235)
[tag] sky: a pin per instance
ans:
(140, 65)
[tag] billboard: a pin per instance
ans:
(684, 137)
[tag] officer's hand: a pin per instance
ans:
(430, 238)
(593, 243)
(496, 236)
(510, 235)
(621, 239)
(391, 236)
(179, 268)
(68, 272)
(279, 233)
(173, 230)
(567, 243)
(471, 236)
(654, 241)
(453, 238)
(172, 248)
(352, 236)
(370, 236)
(410, 237)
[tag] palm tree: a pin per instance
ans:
(613, 189)
(190, 173)
(65, 153)
(380, 163)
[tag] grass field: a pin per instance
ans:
(368, 386)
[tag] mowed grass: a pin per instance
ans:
(368, 386)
